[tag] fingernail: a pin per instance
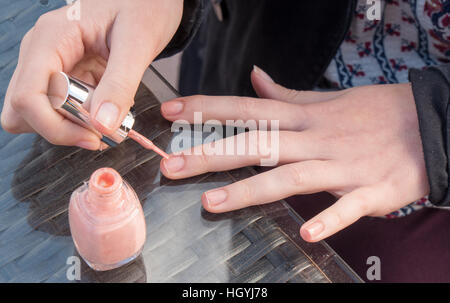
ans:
(172, 108)
(88, 145)
(215, 197)
(107, 114)
(262, 74)
(103, 146)
(313, 230)
(174, 164)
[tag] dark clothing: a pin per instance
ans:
(413, 248)
(294, 42)
(431, 90)
(193, 14)
(281, 37)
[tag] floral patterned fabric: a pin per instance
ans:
(410, 34)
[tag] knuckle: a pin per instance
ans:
(364, 206)
(204, 161)
(70, 42)
(20, 101)
(247, 193)
(246, 107)
(26, 38)
(283, 140)
(294, 94)
(55, 139)
(296, 176)
(44, 21)
(252, 138)
(302, 118)
(337, 218)
(7, 124)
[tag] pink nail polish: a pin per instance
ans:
(215, 197)
(313, 230)
(262, 74)
(174, 164)
(107, 221)
(172, 107)
(107, 114)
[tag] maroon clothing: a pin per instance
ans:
(414, 248)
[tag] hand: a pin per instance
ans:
(111, 45)
(361, 144)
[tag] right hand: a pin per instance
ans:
(110, 46)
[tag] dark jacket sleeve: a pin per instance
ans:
(193, 14)
(431, 89)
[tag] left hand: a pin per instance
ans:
(360, 144)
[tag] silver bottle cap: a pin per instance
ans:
(71, 97)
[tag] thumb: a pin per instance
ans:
(266, 88)
(126, 65)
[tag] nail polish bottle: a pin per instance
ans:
(107, 221)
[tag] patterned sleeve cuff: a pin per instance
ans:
(431, 89)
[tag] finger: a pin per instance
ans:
(278, 183)
(29, 98)
(266, 88)
(11, 121)
(341, 214)
(54, 45)
(55, 128)
(89, 70)
(223, 108)
(126, 65)
(245, 149)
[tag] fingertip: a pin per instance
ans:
(89, 141)
(207, 205)
(311, 231)
(103, 146)
(172, 108)
(89, 145)
(111, 101)
(164, 167)
(261, 85)
(174, 164)
(258, 72)
(306, 235)
(107, 117)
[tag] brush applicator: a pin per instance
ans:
(70, 96)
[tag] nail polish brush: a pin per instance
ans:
(70, 96)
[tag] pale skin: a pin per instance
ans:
(362, 144)
(110, 46)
